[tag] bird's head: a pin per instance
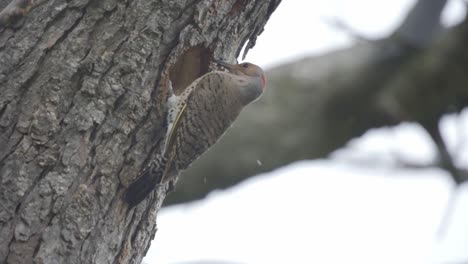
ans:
(246, 69)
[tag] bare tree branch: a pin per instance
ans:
(344, 27)
(446, 160)
(422, 23)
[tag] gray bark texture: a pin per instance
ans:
(83, 90)
(316, 105)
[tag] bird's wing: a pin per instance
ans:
(200, 87)
(171, 136)
(207, 94)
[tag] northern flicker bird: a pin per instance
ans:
(197, 119)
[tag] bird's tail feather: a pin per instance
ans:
(145, 182)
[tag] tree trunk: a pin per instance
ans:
(83, 90)
(316, 105)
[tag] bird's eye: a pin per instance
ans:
(245, 65)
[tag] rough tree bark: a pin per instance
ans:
(83, 89)
(316, 105)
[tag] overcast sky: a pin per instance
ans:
(300, 27)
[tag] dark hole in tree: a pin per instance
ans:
(191, 65)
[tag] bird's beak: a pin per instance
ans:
(226, 65)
